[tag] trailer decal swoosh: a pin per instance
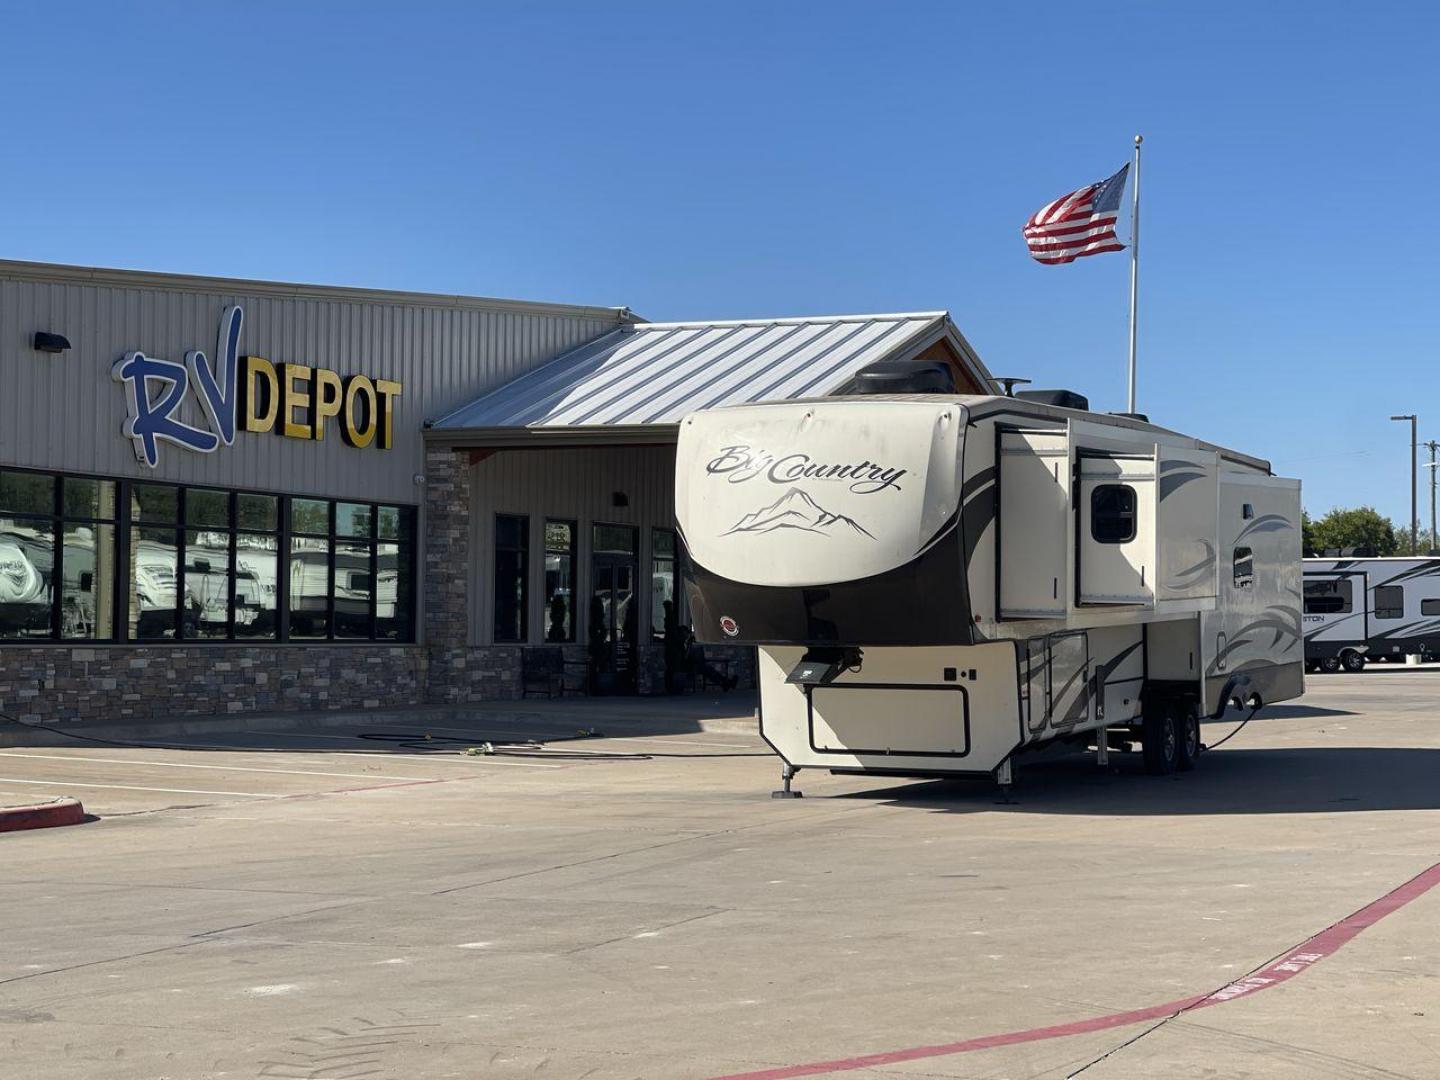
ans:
(1176, 480)
(1265, 523)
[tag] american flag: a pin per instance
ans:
(1081, 223)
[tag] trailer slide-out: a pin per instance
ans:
(938, 583)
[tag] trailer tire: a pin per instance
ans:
(1187, 730)
(1330, 665)
(1354, 661)
(1160, 739)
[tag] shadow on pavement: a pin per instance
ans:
(416, 730)
(1300, 780)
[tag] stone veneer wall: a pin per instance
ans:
(43, 684)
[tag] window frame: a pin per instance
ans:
(1236, 558)
(124, 522)
(524, 578)
(1133, 513)
(573, 555)
(1430, 606)
(1388, 613)
(57, 519)
(1347, 597)
(676, 592)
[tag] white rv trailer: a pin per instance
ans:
(1370, 609)
(938, 583)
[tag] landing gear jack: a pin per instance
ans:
(787, 773)
(1005, 777)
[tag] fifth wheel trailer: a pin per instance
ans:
(939, 583)
(1358, 610)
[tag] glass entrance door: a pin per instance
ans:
(614, 630)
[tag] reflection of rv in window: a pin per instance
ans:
(939, 583)
(207, 589)
(309, 587)
(25, 586)
(1357, 610)
(153, 581)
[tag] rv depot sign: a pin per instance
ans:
(247, 393)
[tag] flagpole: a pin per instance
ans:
(1134, 263)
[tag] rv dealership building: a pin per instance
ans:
(223, 495)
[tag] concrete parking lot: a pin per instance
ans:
(308, 903)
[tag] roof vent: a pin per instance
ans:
(903, 377)
(1144, 419)
(1063, 399)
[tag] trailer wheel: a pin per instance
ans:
(1187, 727)
(1330, 665)
(1160, 739)
(1354, 662)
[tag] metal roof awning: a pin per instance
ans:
(637, 382)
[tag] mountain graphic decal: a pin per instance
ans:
(797, 510)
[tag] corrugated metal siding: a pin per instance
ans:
(65, 412)
(570, 485)
(656, 373)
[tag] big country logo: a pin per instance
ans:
(740, 463)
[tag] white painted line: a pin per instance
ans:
(189, 765)
(61, 784)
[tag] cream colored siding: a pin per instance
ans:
(575, 485)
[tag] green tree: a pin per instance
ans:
(1361, 527)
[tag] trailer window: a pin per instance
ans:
(1112, 514)
(1244, 563)
(1430, 607)
(1329, 597)
(1389, 602)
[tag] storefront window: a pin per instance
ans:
(559, 581)
(257, 566)
(394, 579)
(309, 588)
(197, 564)
(662, 581)
(512, 560)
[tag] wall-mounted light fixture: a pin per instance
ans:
(619, 498)
(51, 343)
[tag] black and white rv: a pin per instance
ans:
(938, 583)
(1357, 610)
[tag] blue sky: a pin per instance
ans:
(733, 159)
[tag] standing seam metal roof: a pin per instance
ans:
(655, 373)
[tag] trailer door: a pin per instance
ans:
(1115, 529)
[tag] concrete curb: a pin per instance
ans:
(46, 815)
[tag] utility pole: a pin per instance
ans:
(1414, 485)
(1433, 446)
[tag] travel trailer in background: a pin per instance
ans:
(940, 583)
(1357, 610)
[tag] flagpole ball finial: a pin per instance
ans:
(1139, 139)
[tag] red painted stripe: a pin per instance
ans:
(1308, 953)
